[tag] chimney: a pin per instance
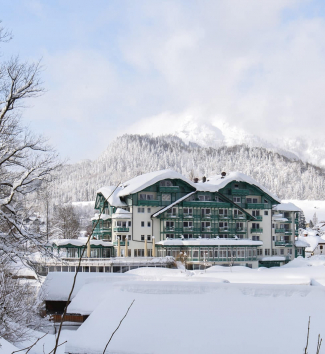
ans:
(204, 179)
(196, 180)
(223, 174)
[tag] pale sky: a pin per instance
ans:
(111, 65)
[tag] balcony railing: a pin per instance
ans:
(121, 229)
(240, 230)
(206, 229)
(239, 217)
(122, 243)
(283, 231)
(283, 243)
(256, 231)
(289, 219)
(209, 204)
(154, 202)
(168, 189)
(259, 218)
(239, 191)
(255, 205)
(188, 228)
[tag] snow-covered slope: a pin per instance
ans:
(217, 133)
(132, 155)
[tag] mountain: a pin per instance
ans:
(130, 155)
(217, 133)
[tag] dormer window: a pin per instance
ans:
(236, 186)
(166, 183)
(203, 198)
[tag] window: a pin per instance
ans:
(129, 237)
(206, 224)
(138, 253)
(148, 237)
(203, 198)
(149, 210)
(282, 251)
(274, 252)
(254, 200)
(255, 212)
(255, 238)
(223, 212)
(188, 211)
(187, 224)
(273, 226)
(266, 201)
(248, 200)
(129, 223)
(255, 225)
(142, 223)
(171, 212)
(238, 213)
(217, 199)
(188, 235)
(144, 196)
(239, 226)
(170, 224)
(166, 197)
(236, 186)
(140, 210)
(289, 251)
(166, 183)
(266, 212)
(169, 235)
(273, 238)
(206, 211)
(142, 237)
(259, 252)
(149, 223)
(267, 251)
(223, 225)
(321, 247)
(236, 200)
(190, 198)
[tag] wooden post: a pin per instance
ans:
(145, 247)
(118, 247)
(153, 247)
(126, 247)
(88, 249)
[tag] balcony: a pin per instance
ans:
(171, 216)
(289, 220)
(154, 202)
(283, 231)
(225, 229)
(188, 215)
(239, 217)
(121, 229)
(122, 243)
(256, 231)
(189, 228)
(168, 189)
(255, 205)
(240, 192)
(209, 204)
(283, 243)
(259, 218)
(240, 230)
(206, 229)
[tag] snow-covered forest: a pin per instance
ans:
(130, 155)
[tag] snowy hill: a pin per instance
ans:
(130, 155)
(218, 133)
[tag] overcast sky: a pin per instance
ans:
(108, 65)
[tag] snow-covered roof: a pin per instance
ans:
(273, 259)
(215, 183)
(141, 182)
(210, 242)
(111, 193)
(286, 207)
(101, 216)
(301, 243)
(78, 242)
(122, 214)
(312, 241)
(171, 205)
(57, 285)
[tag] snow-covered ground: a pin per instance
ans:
(310, 207)
(220, 310)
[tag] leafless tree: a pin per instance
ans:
(65, 223)
(26, 162)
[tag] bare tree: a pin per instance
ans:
(26, 162)
(65, 222)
